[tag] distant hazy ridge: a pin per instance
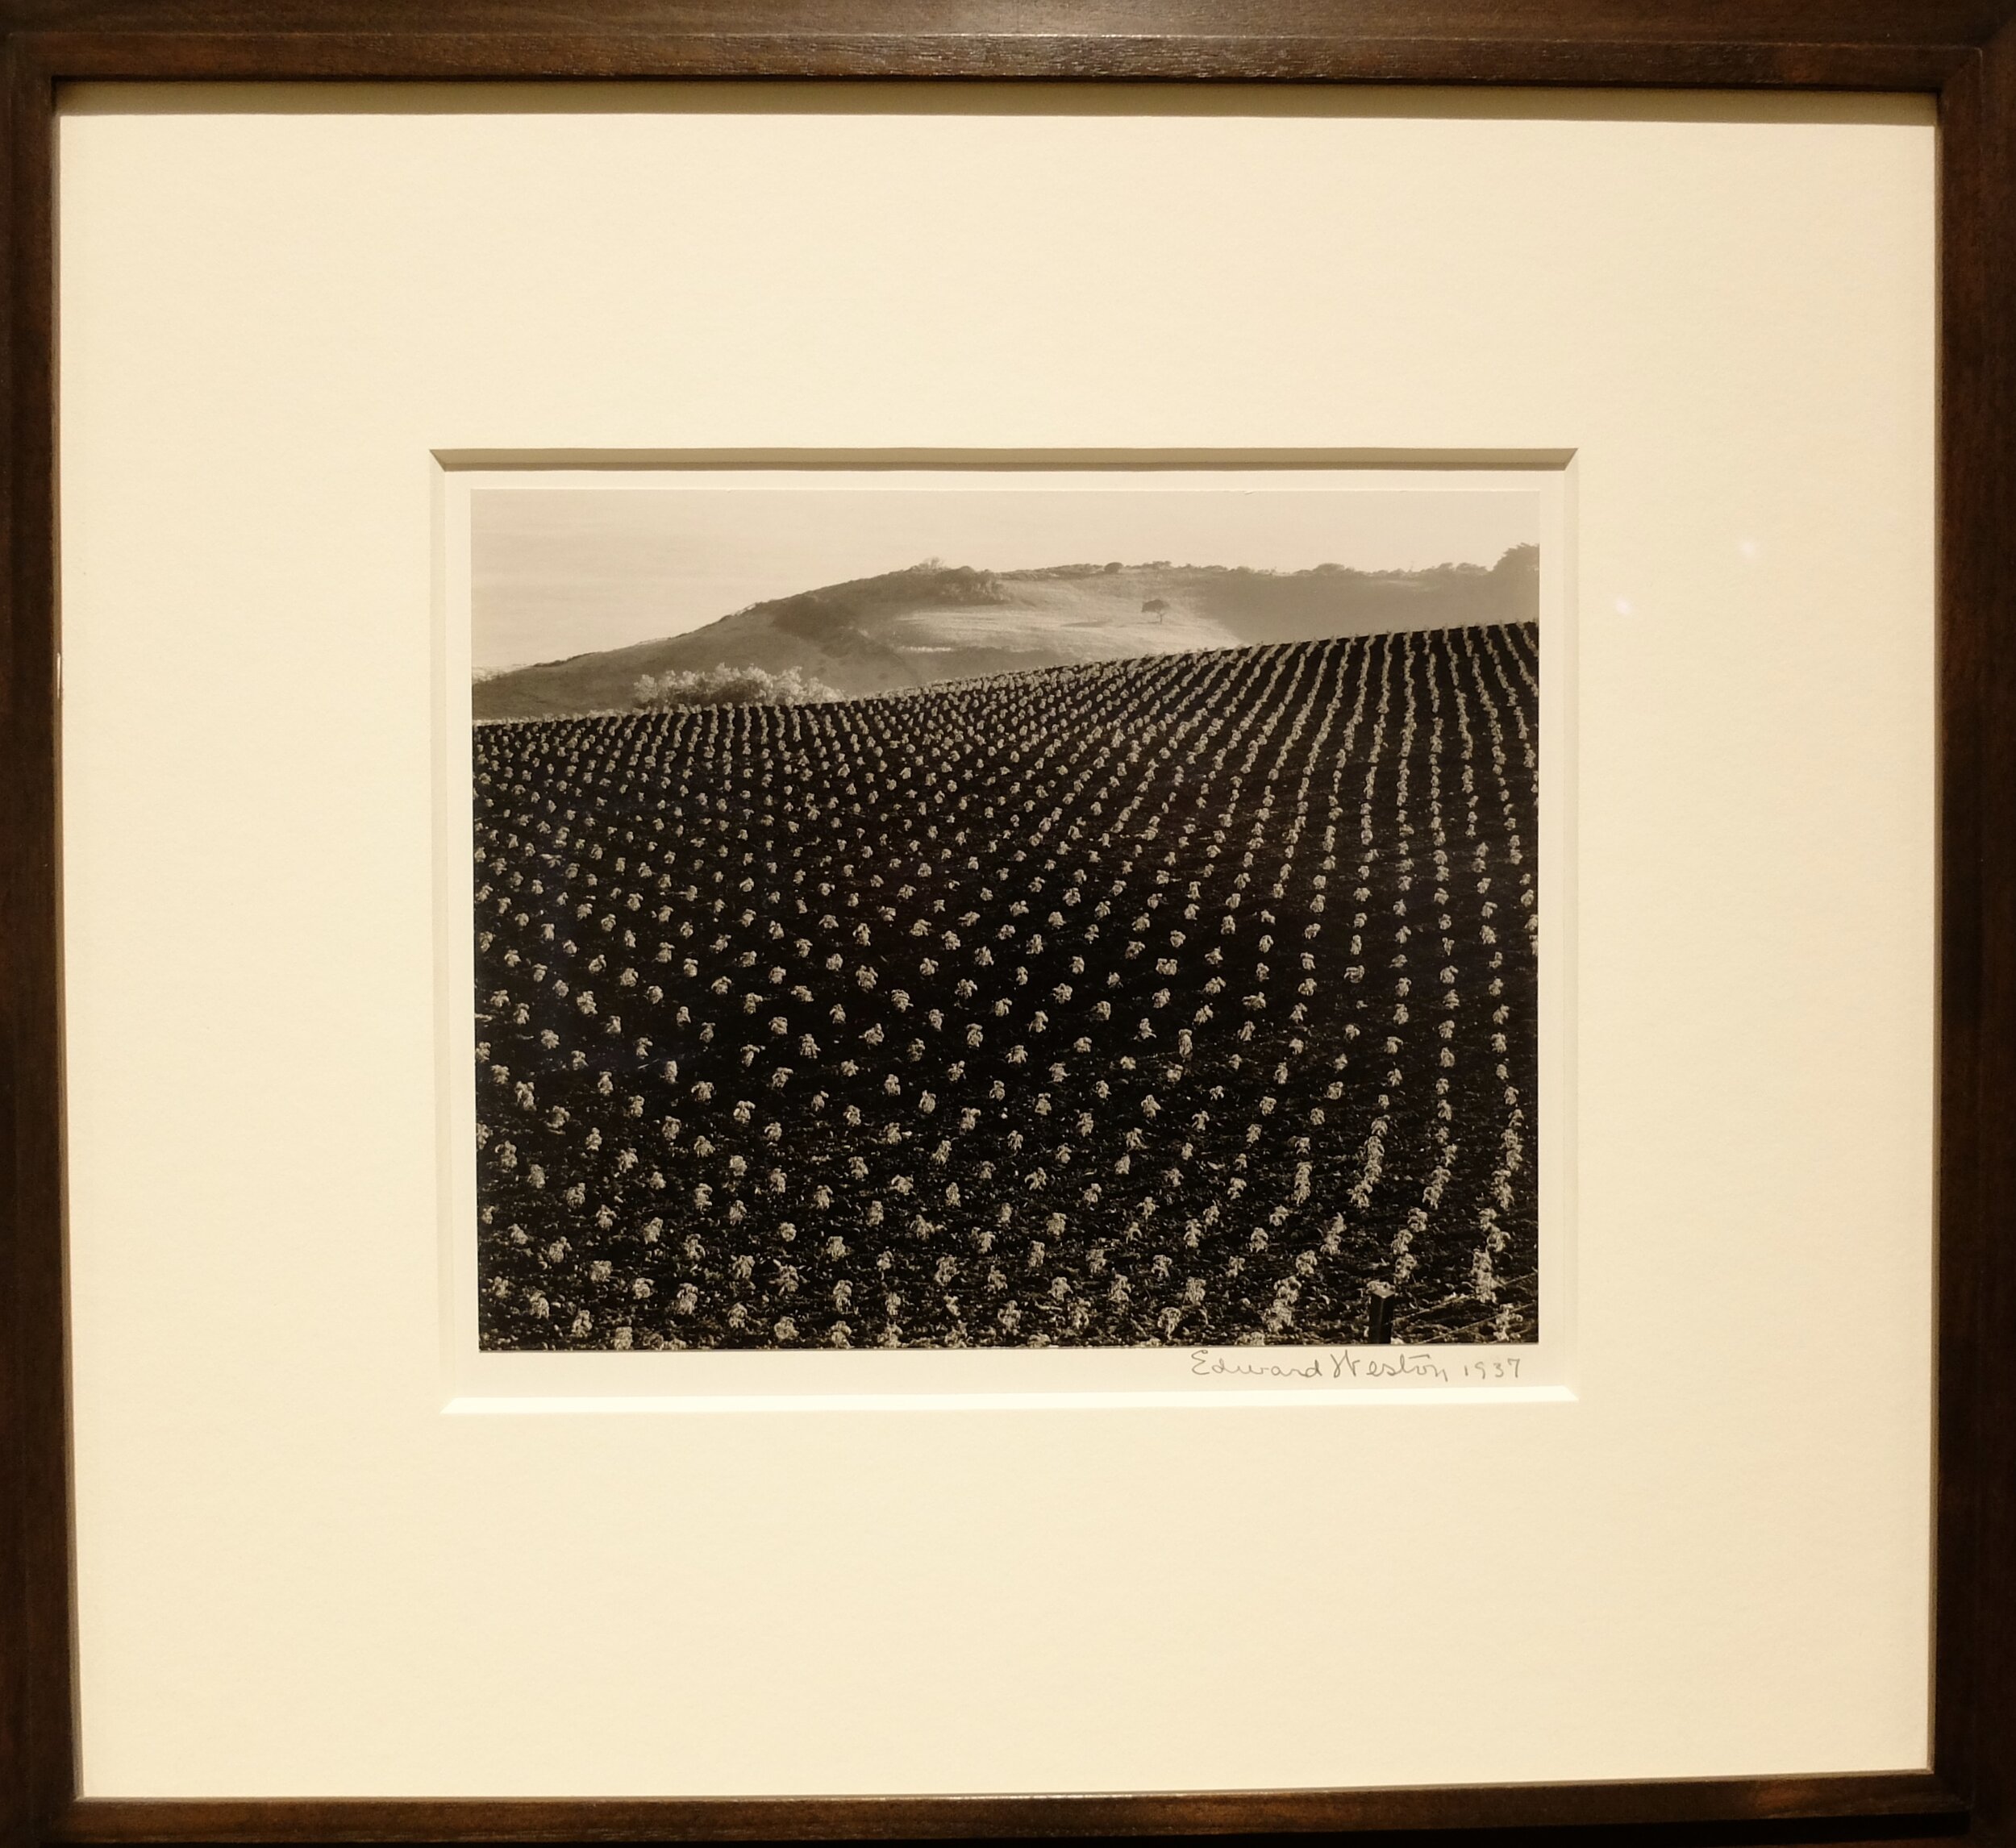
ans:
(937, 623)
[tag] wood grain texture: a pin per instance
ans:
(1975, 1704)
(34, 1489)
(1837, 43)
(20, 1229)
(1964, 51)
(1918, 1798)
(1411, 55)
(1957, 22)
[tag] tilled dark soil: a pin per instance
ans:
(1188, 999)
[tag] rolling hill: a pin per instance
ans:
(934, 622)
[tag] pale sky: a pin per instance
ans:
(568, 571)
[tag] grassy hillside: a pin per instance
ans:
(935, 623)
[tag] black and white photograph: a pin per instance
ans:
(987, 914)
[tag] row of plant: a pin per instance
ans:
(1187, 1000)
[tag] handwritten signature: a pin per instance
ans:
(1340, 1363)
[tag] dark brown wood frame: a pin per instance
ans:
(1962, 51)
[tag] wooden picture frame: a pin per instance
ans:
(1961, 51)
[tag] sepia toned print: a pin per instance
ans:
(1152, 963)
